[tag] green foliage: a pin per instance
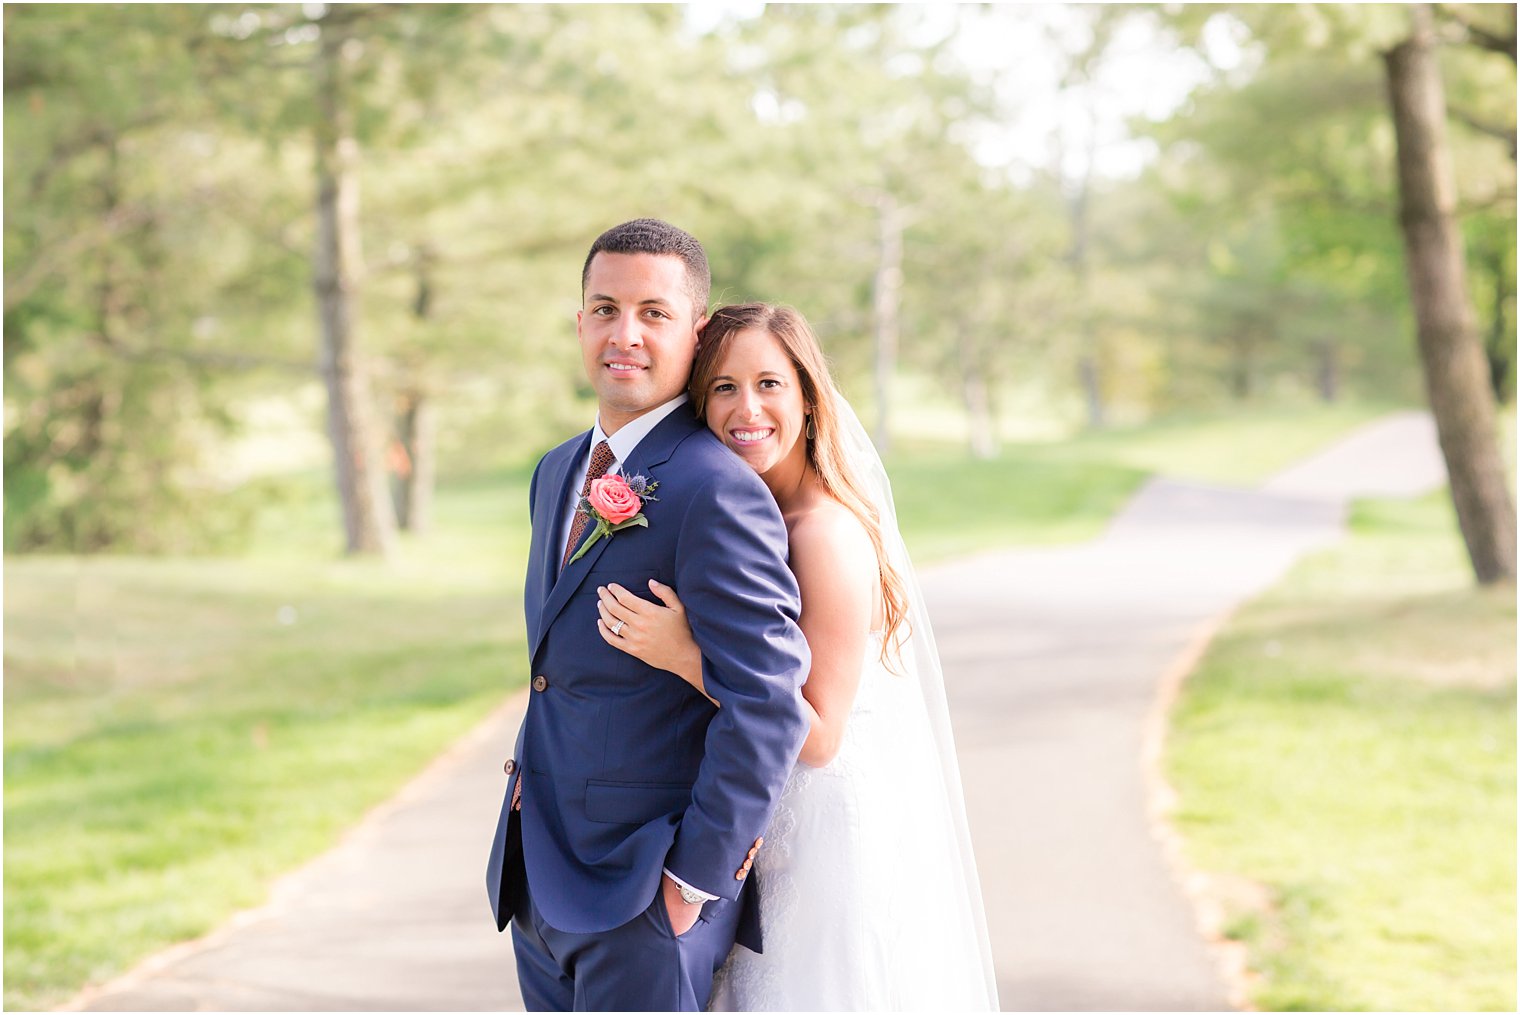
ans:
(1491, 265)
(1381, 687)
(159, 220)
(111, 281)
(1284, 167)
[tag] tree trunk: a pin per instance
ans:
(1243, 364)
(417, 425)
(1079, 210)
(887, 298)
(1456, 371)
(1500, 346)
(413, 462)
(983, 437)
(1328, 370)
(358, 467)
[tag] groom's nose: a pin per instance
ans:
(626, 333)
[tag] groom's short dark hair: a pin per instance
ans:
(652, 236)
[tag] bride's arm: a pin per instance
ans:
(835, 565)
(658, 635)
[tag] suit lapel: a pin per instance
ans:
(653, 451)
(546, 551)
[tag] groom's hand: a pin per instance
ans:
(683, 915)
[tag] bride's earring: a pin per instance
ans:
(811, 432)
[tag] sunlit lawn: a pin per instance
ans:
(178, 732)
(1349, 743)
(1245, 447)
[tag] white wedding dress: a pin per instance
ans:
(864, 903)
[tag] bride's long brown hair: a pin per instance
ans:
(824, 453)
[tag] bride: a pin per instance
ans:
(867, 885)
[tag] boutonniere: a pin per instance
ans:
(615, 504)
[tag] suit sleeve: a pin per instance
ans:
(742, 604)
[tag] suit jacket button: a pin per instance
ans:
(510, 766)
(540, 682)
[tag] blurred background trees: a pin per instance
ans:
(250, 239)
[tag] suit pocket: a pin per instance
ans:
(634, 803)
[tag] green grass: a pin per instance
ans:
(1349, 744)
(172, 744)
(950, 504)
(1244, 447)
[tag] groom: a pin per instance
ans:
(634, 808)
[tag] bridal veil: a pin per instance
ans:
(941, 950)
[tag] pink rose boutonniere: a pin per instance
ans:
(615, 504)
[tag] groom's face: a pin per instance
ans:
(638, 332)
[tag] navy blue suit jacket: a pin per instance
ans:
(627, 769)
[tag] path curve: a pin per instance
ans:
(1055, 659)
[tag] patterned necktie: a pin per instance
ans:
(601, 461)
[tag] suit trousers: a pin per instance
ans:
(640, 966)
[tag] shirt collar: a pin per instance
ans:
(628, 437)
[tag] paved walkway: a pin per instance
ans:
(1056, 657)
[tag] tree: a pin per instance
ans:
(1456, 374)
(990, 304)
(1293, 232)
(1079, 86)
(115, 390)
(368, 520)
(862, 107)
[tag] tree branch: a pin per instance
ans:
(66, 149)
(209, 358)
(1505, 134)
(1479, 36)
(44, 264)
(1501, 200)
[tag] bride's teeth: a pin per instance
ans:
(749, 437)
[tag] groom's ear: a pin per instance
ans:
(701, 326)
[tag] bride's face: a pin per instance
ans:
(754, 402)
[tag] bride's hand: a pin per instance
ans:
(659, 635)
